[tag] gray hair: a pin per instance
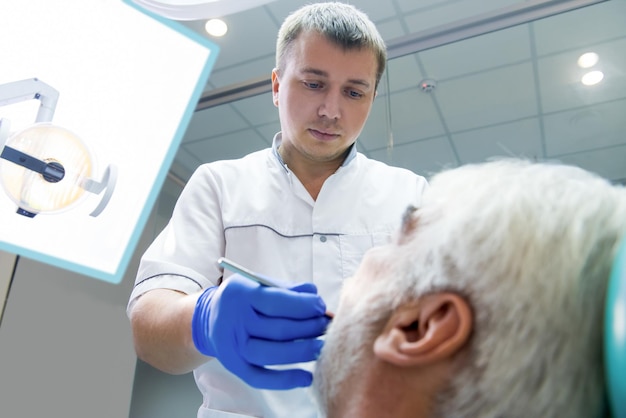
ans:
(530, 245)
(341, 23)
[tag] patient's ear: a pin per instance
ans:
(429, 330)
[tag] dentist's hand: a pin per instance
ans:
(247, 326)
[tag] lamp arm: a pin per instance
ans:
(31, 88)
(4, 131)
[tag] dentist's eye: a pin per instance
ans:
(354, 94)
(312, 85)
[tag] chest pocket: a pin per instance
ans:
(353, 247)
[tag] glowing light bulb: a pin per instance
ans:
(592, 78)
(588, 60)
(48, 143)
(216, 27)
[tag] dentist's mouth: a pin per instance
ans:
(323, 136)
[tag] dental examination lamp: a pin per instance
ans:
(46, 168)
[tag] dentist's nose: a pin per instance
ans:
(331, 105)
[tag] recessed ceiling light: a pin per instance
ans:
(592, 78)
(588, 60)
(216, 27)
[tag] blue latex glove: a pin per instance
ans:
(247, 326)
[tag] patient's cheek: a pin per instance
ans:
(349, 290)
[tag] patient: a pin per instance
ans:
(489, 303)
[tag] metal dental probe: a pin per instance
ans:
(259, 278)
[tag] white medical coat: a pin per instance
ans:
(256, 212)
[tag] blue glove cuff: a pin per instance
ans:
(200, 323)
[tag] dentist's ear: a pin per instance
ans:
(432, 329)
(275, 86)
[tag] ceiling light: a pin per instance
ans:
(216, 27)
(588, 60)
(592, 78)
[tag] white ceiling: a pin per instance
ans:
(513, 92)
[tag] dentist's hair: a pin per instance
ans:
(340, 23)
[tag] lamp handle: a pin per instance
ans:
(108, 182)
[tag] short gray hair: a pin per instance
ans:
(341, 23)
(531, 245)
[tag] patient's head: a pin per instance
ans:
(489, 303)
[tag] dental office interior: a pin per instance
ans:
(467, 80)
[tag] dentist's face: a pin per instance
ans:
(324, 94)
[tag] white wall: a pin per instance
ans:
(157, 394)
(7, 261)
(66, 345)
(65, 342)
